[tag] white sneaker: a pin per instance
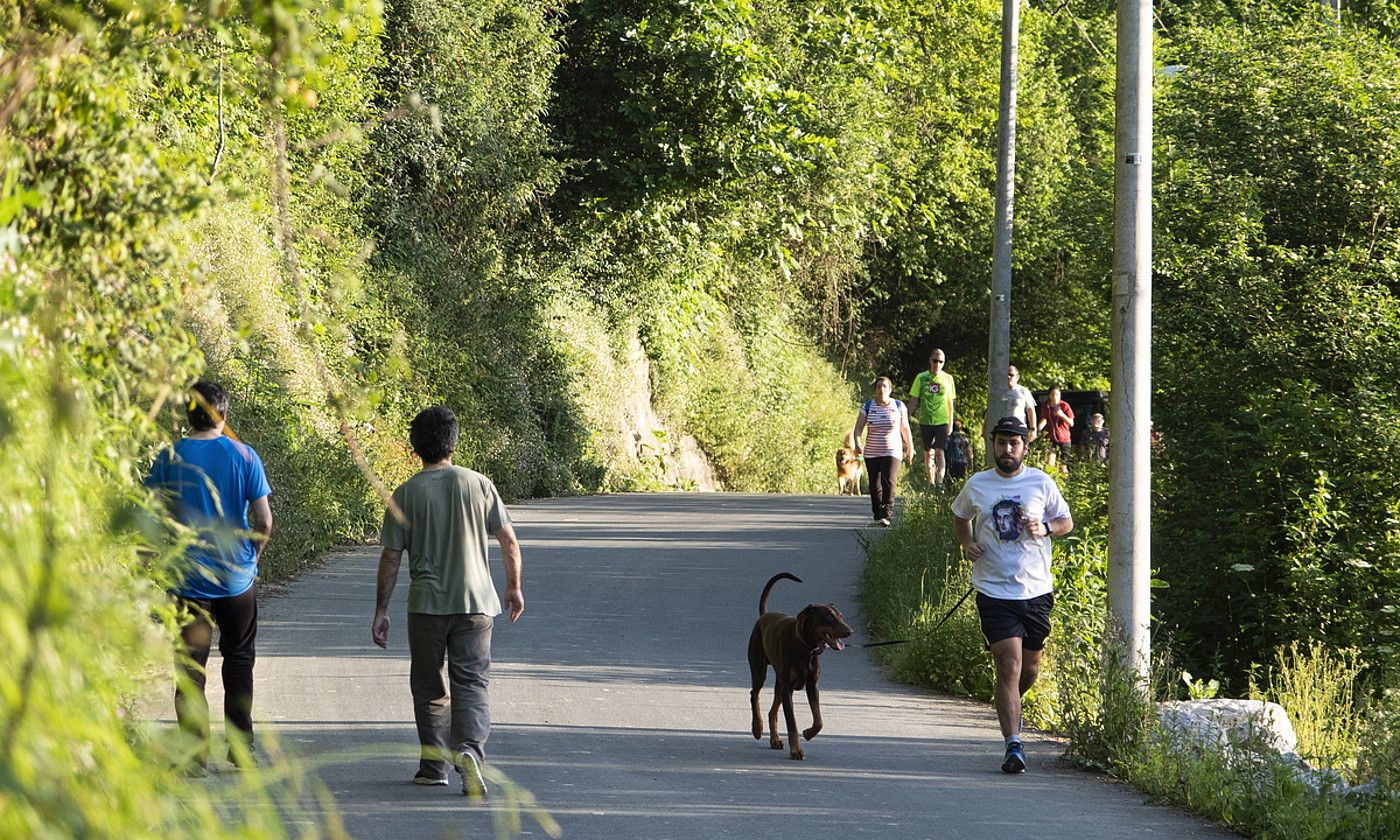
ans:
(884, 523)
(473, 785)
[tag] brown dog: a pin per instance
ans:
(848, 468)
(792, 646)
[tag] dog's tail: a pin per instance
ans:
(763, 599)
(850, 440)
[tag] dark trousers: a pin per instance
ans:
(237, 620)
(450, 705)
(882, 473)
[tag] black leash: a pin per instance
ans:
(946, 616)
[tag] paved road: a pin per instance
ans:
(621, 697)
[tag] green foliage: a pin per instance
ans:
(1379, 754)
(1256, 797)
(1277, 308)
(1318, 686)
(913, 576)
(86, 622)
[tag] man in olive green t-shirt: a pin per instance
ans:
(442, 517)
(931, 406)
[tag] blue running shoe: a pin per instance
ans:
(1015, 759)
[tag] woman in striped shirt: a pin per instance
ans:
(887, 443)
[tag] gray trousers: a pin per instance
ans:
(456, 720)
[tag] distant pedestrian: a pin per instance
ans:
(931, 397)
(448, 511)
(887, 444)
(1020, 402)
(1095, 439)
(1004, 518)
(959, 452)
(216, 486)
(1056, 418)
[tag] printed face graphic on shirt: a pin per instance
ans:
(1006, 519)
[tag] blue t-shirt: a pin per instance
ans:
(212, 482)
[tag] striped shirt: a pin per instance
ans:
(883, 425)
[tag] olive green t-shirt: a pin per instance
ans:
(450, 511)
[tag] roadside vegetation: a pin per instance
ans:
(1275, 513)
(617, 235)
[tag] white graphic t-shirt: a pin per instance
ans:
(1014, 564)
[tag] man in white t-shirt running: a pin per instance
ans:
(1005, 518)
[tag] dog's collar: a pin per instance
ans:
(811, 651)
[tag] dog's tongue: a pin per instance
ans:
(838, 644)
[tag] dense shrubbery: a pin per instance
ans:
(1279, 325)
(559, 217)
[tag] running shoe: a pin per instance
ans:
(1015, 758)
(473, 785)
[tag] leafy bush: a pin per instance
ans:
(913, 577)
(1277, 308)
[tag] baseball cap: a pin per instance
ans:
(1010, 426)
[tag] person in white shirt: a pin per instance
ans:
(1004, 518)
(1020, 402)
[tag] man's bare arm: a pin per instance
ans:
(260, 519)
(389, 561)
(962, 529)
(1053, 528)
(510, 558)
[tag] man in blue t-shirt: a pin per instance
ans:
(216, 486)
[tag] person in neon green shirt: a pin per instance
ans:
(931, 406)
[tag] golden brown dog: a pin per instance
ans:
(792, 646)
(848, 468)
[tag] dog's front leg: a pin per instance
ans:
(794, 746)
(815, 703)
(774, 742)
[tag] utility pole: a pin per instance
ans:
(1130, 489)
(999, 334)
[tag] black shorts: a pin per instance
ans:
(1026, 620)
(957, 470)
(935, 437)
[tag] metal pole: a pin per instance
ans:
(1130, 498)
(999, 334)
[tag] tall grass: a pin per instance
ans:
(1318, 687)
(85, 625)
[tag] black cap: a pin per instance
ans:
(1010, 426)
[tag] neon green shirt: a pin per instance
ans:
(935, 393)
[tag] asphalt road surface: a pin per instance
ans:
(620, 698)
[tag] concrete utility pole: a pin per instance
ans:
(1130, 496)
(999, 334)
